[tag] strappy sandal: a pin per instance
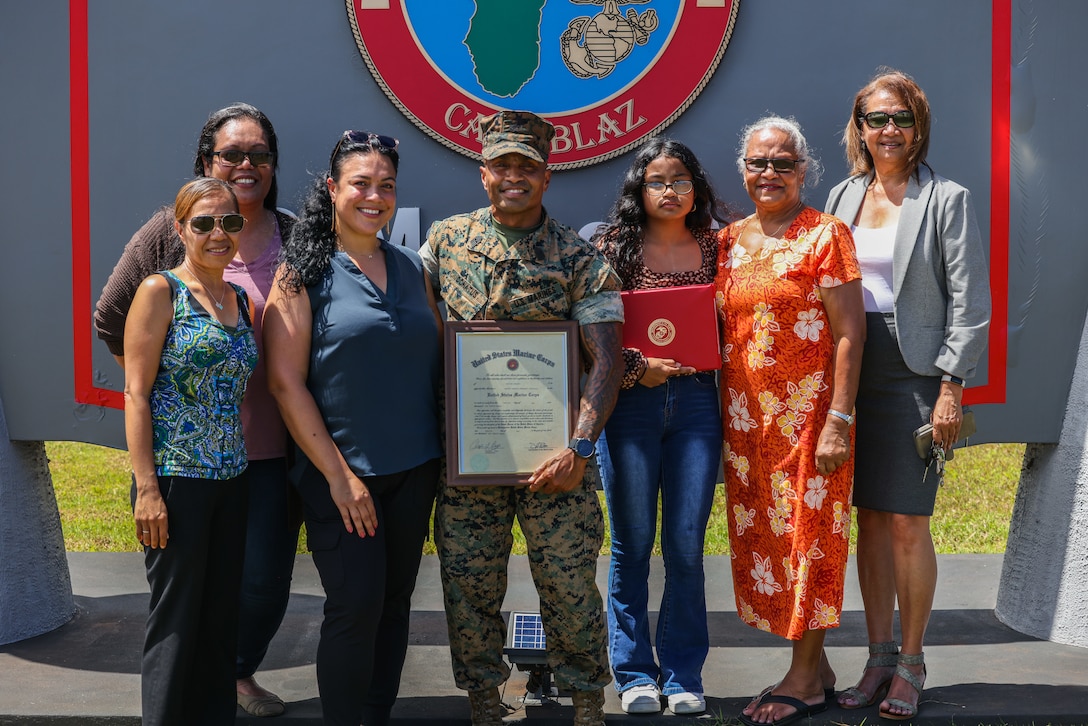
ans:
(915, 682)
(881, 655)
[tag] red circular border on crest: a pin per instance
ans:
(451, 117)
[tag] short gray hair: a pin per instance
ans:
(789, 126)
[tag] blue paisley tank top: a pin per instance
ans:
(197, 394)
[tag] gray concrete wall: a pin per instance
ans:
(35, 588)
(1044, 587)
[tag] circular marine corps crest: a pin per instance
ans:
(661, 331)
(606, 73)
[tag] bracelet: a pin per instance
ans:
(839, 414)
(949, 378)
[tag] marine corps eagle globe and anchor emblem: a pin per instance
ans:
(606, 73)
(593, 46)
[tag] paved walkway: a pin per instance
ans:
(980, 672)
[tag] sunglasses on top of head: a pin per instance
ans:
(205, 223)
(374, 141)
(879, 119)
(235, 157)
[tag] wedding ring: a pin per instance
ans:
(147, 531)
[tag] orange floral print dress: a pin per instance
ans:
(789, 527)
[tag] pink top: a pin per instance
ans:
(266, 436)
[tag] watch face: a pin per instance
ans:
(583, 447)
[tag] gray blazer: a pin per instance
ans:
(940, 276)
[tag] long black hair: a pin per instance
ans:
(310, 246)
(627, 219)
(205, 144)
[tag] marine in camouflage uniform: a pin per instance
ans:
(509, 262)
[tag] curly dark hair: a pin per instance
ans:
(310, 246)
(628, 215)
(205, 144)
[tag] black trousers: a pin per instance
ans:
(190, 646)
(368, 584)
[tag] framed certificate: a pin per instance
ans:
(511, 397)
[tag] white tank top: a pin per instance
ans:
(874, 250)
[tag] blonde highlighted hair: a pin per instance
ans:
(198, 189)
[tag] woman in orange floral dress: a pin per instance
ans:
(789, 296)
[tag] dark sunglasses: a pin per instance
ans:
(374, 141)
(205, 223)
(234, 157)
(878, 119)
(782, 166)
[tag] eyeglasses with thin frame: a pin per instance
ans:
(680, 187)
(904, 119)
(204, 223)
(235, 157)
(782, 166)
(374, 141)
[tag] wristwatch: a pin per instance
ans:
(582, 447)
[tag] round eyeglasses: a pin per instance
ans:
(679, 187)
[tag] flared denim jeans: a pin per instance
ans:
(667, 441)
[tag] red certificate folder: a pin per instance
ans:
(674, 322)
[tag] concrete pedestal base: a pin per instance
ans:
(1044, 587)
(35, 587)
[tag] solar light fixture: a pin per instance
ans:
(527, 648)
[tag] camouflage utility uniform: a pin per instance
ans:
(551, 274)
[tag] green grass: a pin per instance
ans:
(972, 514)
(92, 487)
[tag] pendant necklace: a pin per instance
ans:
(223, 293)
(340, 246)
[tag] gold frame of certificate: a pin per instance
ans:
(512, 396)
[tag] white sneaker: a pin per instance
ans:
(686, 703)
(641, 699)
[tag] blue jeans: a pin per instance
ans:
(665, 439)
(271, 540)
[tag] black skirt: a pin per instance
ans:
(892, 402)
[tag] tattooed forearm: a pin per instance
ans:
(602, 351)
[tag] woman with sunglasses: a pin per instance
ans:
(663, 438)
(353, 341)
(789, 296)
(927, 303)
(239, 146)
(190, 351)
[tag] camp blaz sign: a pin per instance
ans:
(606, 73)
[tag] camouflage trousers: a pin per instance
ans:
(563, 534)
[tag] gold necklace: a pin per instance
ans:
(784, 226)
(370, 256)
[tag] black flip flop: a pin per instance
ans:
(804, 710)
